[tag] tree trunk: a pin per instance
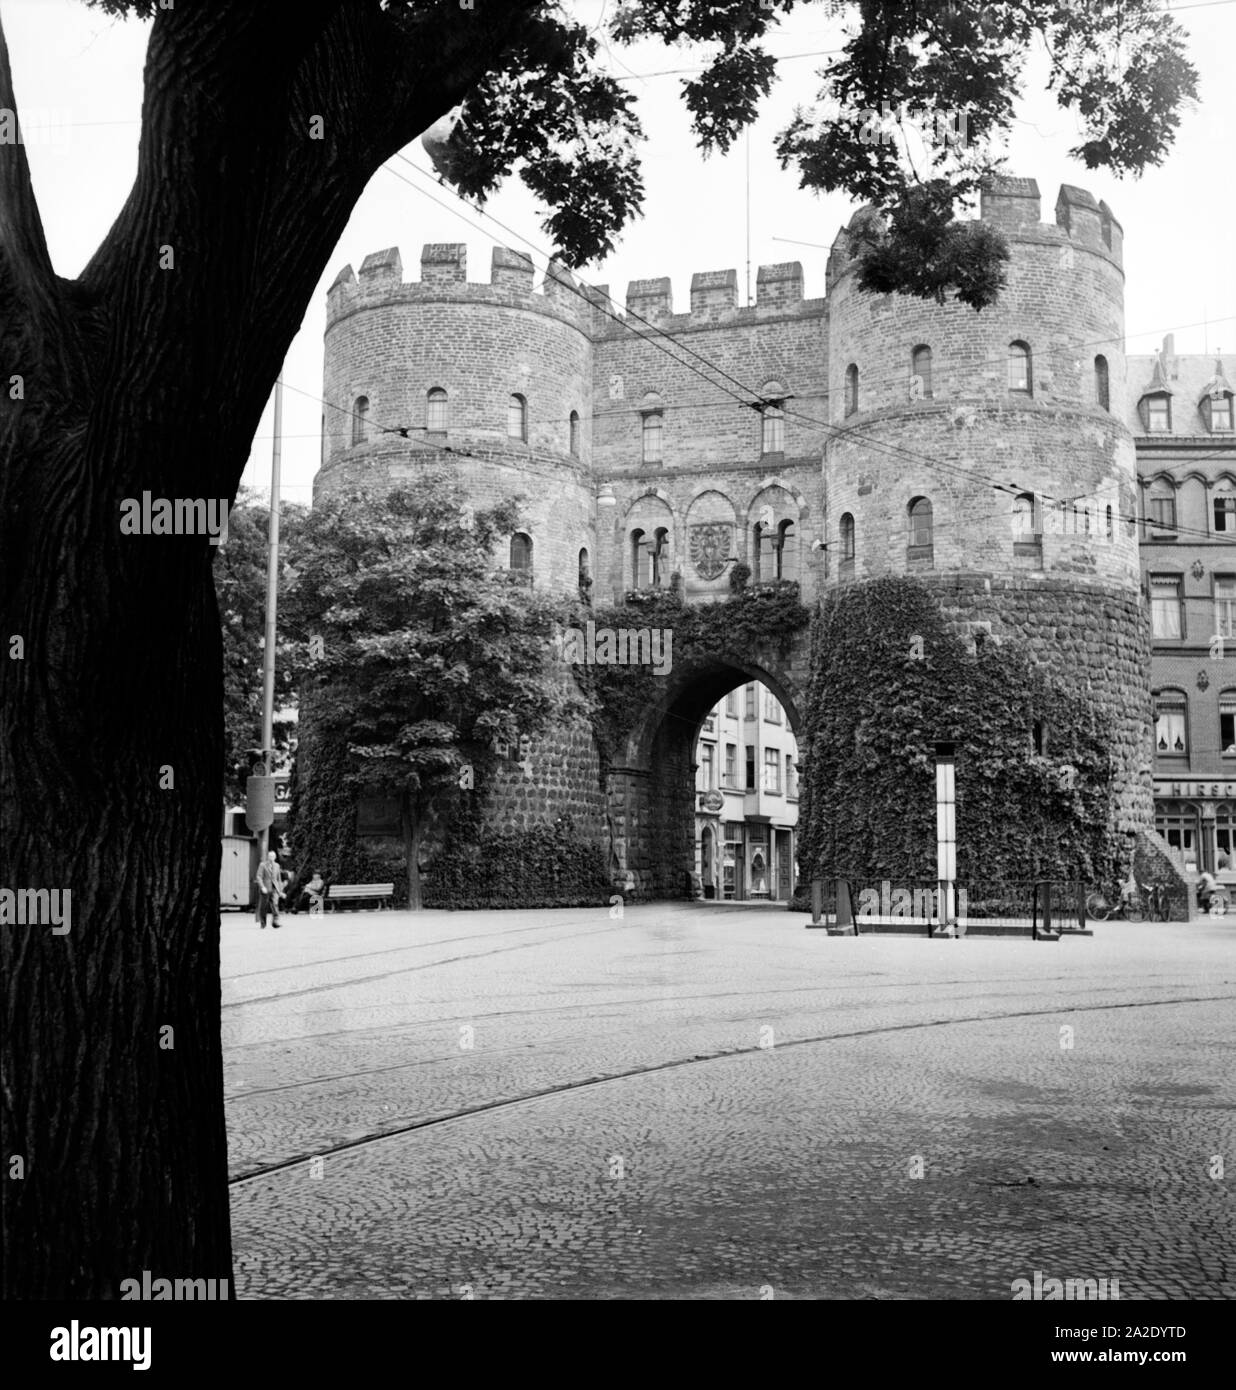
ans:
(149, 374)
(412, 851)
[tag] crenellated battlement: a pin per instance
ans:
(444, 276)
(1014, 205)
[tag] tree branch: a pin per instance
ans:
(24, 258)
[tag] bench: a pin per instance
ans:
(358, 892)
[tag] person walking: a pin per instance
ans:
(270, 884)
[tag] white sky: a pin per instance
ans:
(80, 73)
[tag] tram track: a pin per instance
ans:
(632, 1073)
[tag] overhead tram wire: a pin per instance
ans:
(757, 404)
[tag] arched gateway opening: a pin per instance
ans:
(674, 839)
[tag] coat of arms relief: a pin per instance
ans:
(711, 545)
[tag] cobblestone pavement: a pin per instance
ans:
(698, 1101)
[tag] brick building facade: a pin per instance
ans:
(822, 441)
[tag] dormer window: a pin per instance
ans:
(1215, 404)
(1157, 414)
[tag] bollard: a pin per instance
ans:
(817, 904)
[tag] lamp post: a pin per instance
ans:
(946, 836)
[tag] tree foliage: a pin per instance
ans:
(419, 654)
(547, 108)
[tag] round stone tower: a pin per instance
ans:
(984, 453)
(492, 380)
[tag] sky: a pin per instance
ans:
(78, 77)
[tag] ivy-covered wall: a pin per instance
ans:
(888, 680)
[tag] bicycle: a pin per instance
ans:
(1101, 908)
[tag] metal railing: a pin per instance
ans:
(1049, 907)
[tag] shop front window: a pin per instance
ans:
(1176, 821)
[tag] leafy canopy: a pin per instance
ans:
(547, 108)
(429, 652)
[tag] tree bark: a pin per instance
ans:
(150, 376)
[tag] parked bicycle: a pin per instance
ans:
(1147, 904)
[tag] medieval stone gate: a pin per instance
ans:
(650, 783)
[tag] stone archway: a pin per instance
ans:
(650, 786)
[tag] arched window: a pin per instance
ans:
(851, 389)
(758, 539)
(1021, 377)
(1102, 387)
(1111, 523)
(1161, 507)
(783, 546)
(322, 455)
(517, 417)
(659, 556)
(521, 557)
(435, 411)
(574, 433)
(920, 368)
(360, 420)
(920, 529)
(846, 529)
(585, 575)
(773, 435)
(1026, 526)
(637, 559)
(652, 435)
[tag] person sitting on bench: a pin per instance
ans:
(315, 891)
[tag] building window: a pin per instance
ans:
(1165, 614)
(750, 767)
(851, 389)
(773, 432)
(1038, 738)
(847, 542)
(791, 776)
(521, 557)
(1158, 413)
(1171, 734)
(1162, 511)
(708, 766)
(731, 764)
(637, 559)
(1111, 524)
(1027, 525)
(517, 418)
(1225, 836)
(783, 549)
(1102, 385)
(360, 420)
(1225, 605)
(1220, 414)
(772, 707)
(435, 411)
(653, 423)
(574, 434)
(772, 771)
(920, 529)
(1227, 724)
(1225, 514)
(920, 374)
(750, 706)
(585, 575)
(1176, 821)
(731, 704)
(1021, 376)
